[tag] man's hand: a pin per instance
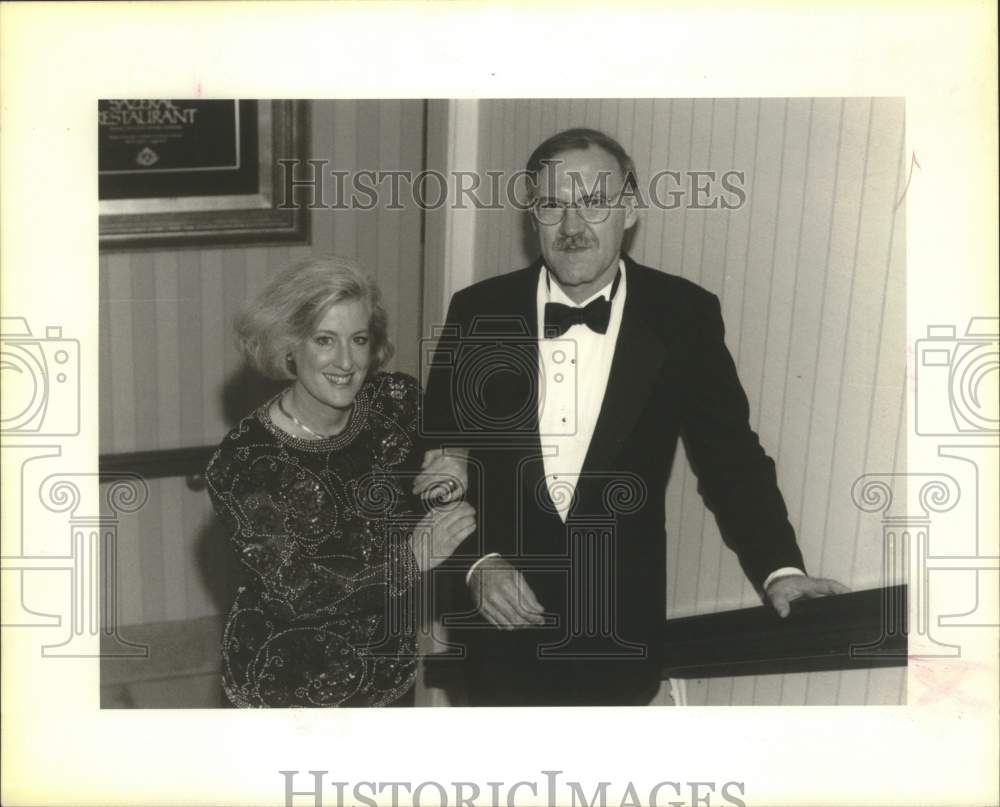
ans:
(783, 590)
(443, 475)
(440, 532)
(503, 595)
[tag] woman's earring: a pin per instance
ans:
(290, 363)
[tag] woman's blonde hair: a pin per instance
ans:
(290, 307)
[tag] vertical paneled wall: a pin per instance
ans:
(166, 345)
(169, 371)
(810, 271)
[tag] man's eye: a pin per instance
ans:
(550, 205)
(597, 201)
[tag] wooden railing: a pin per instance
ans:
(189, 462)
(861, 629)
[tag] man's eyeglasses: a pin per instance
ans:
(592, 210)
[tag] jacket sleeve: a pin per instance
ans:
(262, 525)
(442, 424)
(736, 478)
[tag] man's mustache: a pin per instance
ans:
(574, 242)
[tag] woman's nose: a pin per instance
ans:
(342, 357)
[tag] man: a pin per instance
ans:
(567, 386)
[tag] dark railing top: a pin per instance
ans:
(862, 629)
(158, 464)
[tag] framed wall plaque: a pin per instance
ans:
(199, 172)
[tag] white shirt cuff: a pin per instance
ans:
(468, 574)
(784, 571)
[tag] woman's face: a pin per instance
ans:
(331, 365)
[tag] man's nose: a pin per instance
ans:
(572, 222)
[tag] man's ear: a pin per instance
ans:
(631, 211)
(628, 199)
(532, 187)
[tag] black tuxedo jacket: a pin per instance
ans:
(602, 574)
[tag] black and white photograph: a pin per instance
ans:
(494, 405)
(751, 258)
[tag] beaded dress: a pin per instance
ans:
(325, 615)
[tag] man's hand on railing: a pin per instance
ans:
(783, 590)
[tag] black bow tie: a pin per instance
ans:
(560, 318)
(595, 315)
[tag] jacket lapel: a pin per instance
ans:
(649, 325)
(516, 394)
(638, 360)
(532, 466)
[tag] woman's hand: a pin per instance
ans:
(440, 532)
(443, 477)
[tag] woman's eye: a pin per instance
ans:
(361, 340)
(324, 341)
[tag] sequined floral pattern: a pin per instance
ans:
(326, 614)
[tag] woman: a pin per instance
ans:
(312, 489)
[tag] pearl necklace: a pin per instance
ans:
(300, 424)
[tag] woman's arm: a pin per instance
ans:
(268, 532)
